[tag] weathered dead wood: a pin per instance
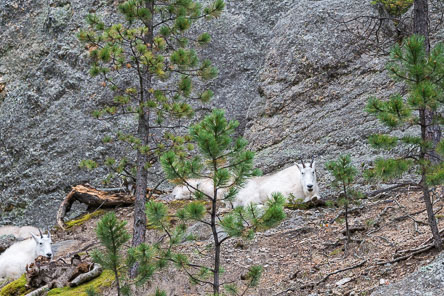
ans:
(87, 276)
(353, 229)
(39, 291)
(332, 273)
(394, 187)
(93, 198)
(418, 251)
(58, 274)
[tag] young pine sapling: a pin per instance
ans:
(423, 74)
(227, 164)
(344, 174)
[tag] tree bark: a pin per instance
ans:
(429, 131)
(143, 130)
(217, 244)
(421, 21)
(421, 27)
(425, 188)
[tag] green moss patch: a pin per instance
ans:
(15, 288)
(83, 218)
(105, 280)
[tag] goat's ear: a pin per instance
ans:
(34, 237)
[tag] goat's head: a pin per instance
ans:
(43, 244)
(308, 176)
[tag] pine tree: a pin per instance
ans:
(112, 235)
(344, 174)
(226, 163)
(423, 75)
(154, 53)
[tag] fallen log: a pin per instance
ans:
(93, 198)
(46, 274)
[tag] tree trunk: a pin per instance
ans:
(421, 27)
(429, 131)
(143, 131)
(437, 241)
(216, 284)
(425, 188)
(139, 229)
(347, 228)
(421, 21)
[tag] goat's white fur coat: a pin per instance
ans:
(14, 259)
(292, 180)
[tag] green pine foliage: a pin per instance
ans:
(113, 236)
(423, 75)
(344, 174)
(226, 163)
(154, 50)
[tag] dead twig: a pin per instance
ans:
(397, 186)
(332, 273)
(419, 251)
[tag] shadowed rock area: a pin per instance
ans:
(427, 281)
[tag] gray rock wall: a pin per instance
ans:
(45, 106)
(314, 86)
(289, 73)
(426, 281)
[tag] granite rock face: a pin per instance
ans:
(314, 86)
(47, 96)
(290, 74)
(427, 281)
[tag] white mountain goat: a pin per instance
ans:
(14, 259)
(204, 185)
(20, 233)
(299, 180)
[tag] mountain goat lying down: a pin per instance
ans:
(14, 259)
(20, 233)
(299, 180)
